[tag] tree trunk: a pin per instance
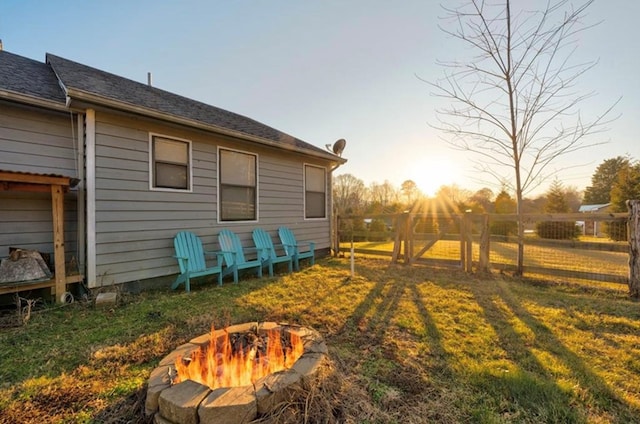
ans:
(520, 260)
(634, 248)
(484, 245)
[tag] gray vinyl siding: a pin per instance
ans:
(38, 141)
(135, 225)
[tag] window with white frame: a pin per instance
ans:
(237, 173)
(170, 163)
(315, 192)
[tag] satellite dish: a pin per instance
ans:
(338, 146)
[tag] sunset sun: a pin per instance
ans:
(432, 173)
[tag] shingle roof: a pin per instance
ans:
(79, 77)
(26, 76)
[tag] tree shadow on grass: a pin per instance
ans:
(406, 386)
(533, 388)
(372, 316)
(437, 351)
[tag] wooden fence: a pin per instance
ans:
(486, 242)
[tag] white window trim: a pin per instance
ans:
(219, 197)
(304, 192)
(190, 165)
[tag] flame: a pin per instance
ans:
(218, 366)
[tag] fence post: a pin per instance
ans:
(397, 245)
(468, 226)
(633, 225)
(410, 240)
(336, 236)
(463, 251)
(483, 264)
(466, 257)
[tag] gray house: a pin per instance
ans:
(147, 163)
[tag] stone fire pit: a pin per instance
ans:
(189, 402)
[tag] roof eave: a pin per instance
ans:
(32, 100)
(82, 95)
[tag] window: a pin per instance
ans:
(315, 190)
(238, 185)
(170, 163)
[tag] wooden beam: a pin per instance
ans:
(33, 188)
(57, 206)
(25, 177)
(34, 285)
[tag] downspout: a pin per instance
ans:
(90, 151)
(81, 220)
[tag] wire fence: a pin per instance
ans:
(581, 246)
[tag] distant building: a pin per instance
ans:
(591, 227)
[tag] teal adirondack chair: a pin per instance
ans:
(263, 242)
(293, 247)
(234, 258)
(191, 260)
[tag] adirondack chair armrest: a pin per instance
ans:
(220, 257)
(218, 254)
(183, 261)
(259, 250)
(266, 249)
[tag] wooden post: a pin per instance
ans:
(463, 250)
(397, 244)
(483, 265)
(410, 240)
(468, 229)
(633, 226)
(336, 236)
(57, 206)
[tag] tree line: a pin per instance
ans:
(614, 181)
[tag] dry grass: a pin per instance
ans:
(407, 345)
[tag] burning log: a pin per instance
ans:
(239, 359)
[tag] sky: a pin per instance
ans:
(325, 70)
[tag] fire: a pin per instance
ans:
(225, 364)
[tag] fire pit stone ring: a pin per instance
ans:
(189, 402)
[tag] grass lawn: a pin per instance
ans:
(407, 345)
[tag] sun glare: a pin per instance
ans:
(431, 174)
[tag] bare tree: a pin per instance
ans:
(410, 190)
(515, 105)
(385, 195)
(349, 194)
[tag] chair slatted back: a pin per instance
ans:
(229, 242)
(264, 244)
(188, 245)
(288, 240)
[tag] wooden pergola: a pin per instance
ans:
(57, 185)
